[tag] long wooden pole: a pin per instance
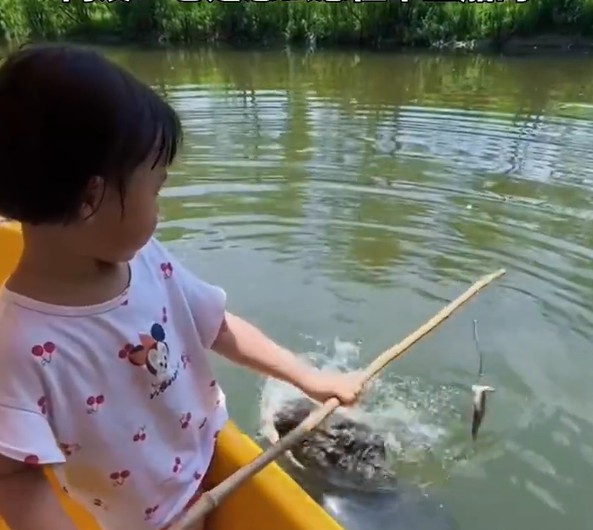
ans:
(212, 498)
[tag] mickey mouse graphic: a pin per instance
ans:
(153, 354)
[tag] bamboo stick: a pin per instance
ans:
(212, 498)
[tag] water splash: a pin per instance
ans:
(424, 424)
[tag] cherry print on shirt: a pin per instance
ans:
(93, 403)
(140, 436)
(99, 503)
(125, 351)
(185, 360)
(167, 270)
(42, 402)
(119, 477)
(69, 449)
(197, 475)
(177, 465)
(185, 419)
(44, 352)
(164, 315)
(150, 511)
(31, 460)
(203, 423)
(153, 354)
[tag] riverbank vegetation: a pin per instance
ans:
(374, 24)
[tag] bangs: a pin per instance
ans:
(148, 129)
(168, 139)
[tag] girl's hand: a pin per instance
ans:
(321, 386)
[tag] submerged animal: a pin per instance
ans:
(342, 449)
(344, 465)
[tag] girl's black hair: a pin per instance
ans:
(67, 114)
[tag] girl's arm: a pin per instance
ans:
(244, 344)
(27, 501)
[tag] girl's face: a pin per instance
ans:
(115, 235)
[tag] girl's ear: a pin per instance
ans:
(92, 197)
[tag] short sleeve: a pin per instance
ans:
(207, 302)
(27, 437)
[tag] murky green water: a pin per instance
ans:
(352, 196)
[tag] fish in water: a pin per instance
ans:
(479, 391)
(479, 407)
(344, 465)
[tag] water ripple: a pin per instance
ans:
(373, 189)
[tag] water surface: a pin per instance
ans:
(349, 196)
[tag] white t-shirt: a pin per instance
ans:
(118, 396)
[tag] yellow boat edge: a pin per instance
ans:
(271, 500)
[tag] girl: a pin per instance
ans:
(103, 333)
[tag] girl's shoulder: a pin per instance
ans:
(206, 303)
(155, 263)
(154, 256)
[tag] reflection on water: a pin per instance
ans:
(352, 195)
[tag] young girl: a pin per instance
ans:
(103, 333)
